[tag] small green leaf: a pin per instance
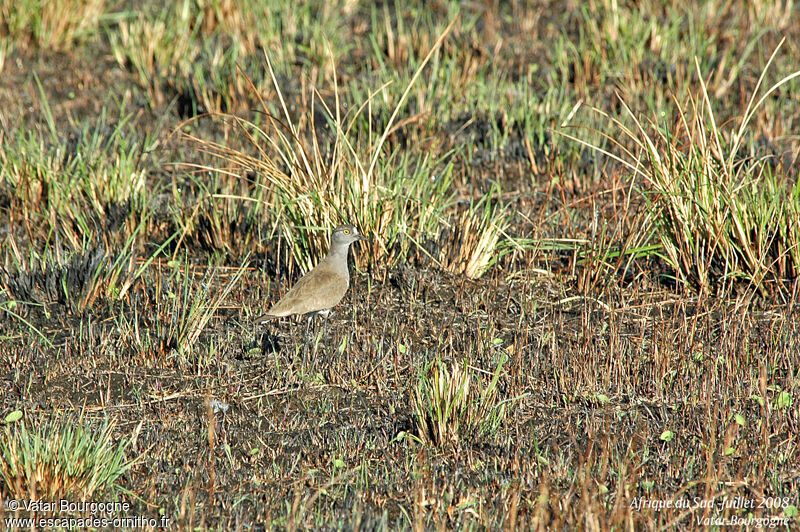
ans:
(790, 511)
(602, 398)
(667, 436)
(497, 341)
(729, 451)
(338, 463)
(758, 399)
(740, 420)
(784, 400)
(13, 417)
(401, 348)
(254, 451)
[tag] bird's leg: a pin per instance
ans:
(325, 323)
(317, 335)
(306, 339)
(322, 334)
(308, 325)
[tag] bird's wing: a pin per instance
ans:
(319, 290)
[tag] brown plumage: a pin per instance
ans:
(324, 286)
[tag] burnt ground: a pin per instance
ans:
(620, 385)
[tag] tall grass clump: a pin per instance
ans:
(52, 24)
(60, 459)
(192, 48)
(722, 216)
(319, 175)
(451, 404)
(79, 185)
(477, 237)
(188, 49)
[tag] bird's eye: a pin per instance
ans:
(346, 231)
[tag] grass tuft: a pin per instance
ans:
(60, 459)
(312, 176)
(478, 238)
(310, 184)
(52, 24)
(79, 186)
(722, 216)
(450, 405)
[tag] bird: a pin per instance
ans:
(321, 289)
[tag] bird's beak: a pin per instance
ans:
(362, 237)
